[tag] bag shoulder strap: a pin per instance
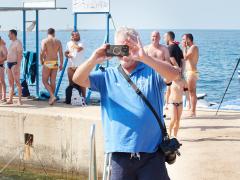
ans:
(145, 100)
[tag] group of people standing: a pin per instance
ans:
(186, 59)
(51, 58)
(50, 51)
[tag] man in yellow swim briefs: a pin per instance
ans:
(50, 50)
(191, 55)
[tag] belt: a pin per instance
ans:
(134, 155)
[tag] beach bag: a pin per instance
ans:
(76, 99)
(25, 90)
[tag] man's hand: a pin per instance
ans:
(136, 50)
(99, 55)
(69, 56)
(163, 68)
(184, 44)
(81, 75)
(79, 48)
(18, 67)
(60, 67)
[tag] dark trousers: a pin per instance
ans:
(68, 92)
(147, 167)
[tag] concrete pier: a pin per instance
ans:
(211, 144)
(61, 136)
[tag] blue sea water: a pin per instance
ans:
(219, 50)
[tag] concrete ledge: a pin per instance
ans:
(61, 135)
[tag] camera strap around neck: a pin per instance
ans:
(145, 100)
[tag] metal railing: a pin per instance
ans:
(107, 166)
(93, 161)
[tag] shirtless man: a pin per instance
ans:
(191, 55)
(3, 58)
(157, 50)
(14, 59)
(51, 47)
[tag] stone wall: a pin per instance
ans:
(61, 143)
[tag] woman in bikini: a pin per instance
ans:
(175, 100)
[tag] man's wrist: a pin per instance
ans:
(93, 59)
(145, 58)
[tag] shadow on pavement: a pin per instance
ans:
(204, 128)
(211, 139)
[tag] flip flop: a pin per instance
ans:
(52, 100)
(20, 103)
(191, 115)
(3, 101)
(8, 102)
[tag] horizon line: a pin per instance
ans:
(70, 29)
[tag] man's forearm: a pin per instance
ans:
(19, 58)
(61, 58)
(5, 53)
(163, 68)
(3, 58)
(81, 75)
(41, 58)
(185, 54)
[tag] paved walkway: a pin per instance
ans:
(211, 148)
(211, 144)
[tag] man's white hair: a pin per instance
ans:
(124, 33)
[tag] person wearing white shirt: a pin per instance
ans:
(75, 54)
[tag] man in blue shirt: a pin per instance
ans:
(131, 131)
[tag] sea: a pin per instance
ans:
(219, 52)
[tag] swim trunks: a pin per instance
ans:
(11, 64)
(53, 64)
(194, 74)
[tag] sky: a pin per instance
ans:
(140, 14)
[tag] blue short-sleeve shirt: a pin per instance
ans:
(129, 125)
